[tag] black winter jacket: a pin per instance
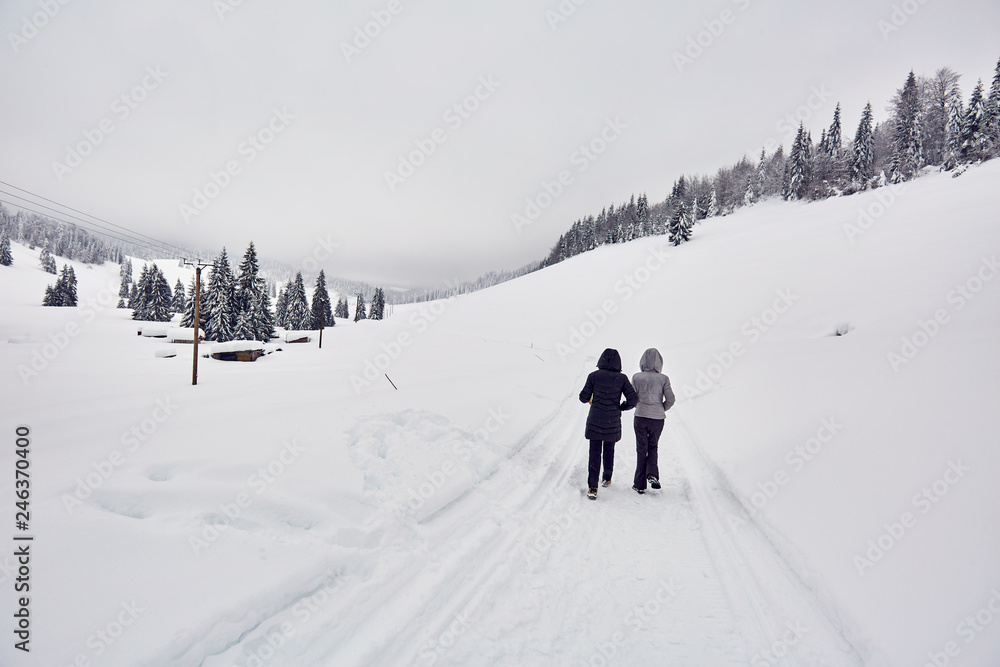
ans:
(606, 386)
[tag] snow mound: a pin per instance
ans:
(237, 346)
(416, 463)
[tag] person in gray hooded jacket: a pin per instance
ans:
(655, 398)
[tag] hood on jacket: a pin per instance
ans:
(610, 361)
(651, 361)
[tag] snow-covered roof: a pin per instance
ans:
(237, 346)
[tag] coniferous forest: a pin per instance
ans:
(929, 125)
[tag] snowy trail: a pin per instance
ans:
(777, 610)
(671, 575)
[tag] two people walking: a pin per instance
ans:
(649, 393)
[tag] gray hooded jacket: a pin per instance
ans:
(653, 387)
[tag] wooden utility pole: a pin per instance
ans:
(322, 323)
(198, 265)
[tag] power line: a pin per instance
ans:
(86, 214)
(82, 224)
(130, 235)
(110, 235)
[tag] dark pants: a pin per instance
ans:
(596, 446)
(647, 438)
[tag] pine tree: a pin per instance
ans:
(47, 261)
(678, 229)
(252, 304)
(834, 138)
(798, 170)
(377, 310)
(342, 309)
(188, 319)
(69, 294)
(219, 303)
(864, 149)
(263, 320)
(713, 205)
(953, 129)
(993, 111)
(761, 175)
(133, 295)
(6, 258)
(359, 310)
(975, 141)
(642, 216)
(64, 291)
(298, 316)
(143, 295)
(179, 304)
(322, 313)
(281, 307)
(160, 297)
(907, 149)
(126, 275)
(748, 196)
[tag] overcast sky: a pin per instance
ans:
(210, 76)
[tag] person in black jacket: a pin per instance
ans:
(603, 390)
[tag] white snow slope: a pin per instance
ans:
(823, 503)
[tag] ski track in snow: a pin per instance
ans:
(672, 577)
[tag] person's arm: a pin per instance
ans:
(631, 398)
(587, 395)
(668, 395)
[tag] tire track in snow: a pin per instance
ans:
(784, 622)
(475, 551)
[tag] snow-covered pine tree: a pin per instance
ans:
(69, 293)
(322, 312)
(179, 304)
(47, 261)
(245, 287)
(160, 297)
(126, 275)
(6, 258)
(133, 295)
(188, 319)
(359, 309)
(798, 167)
(64, 291)
(761, 183)
(219, 301)
(953, 129)
(713, 205)
(631, 231)
(263, 316)
(834, 138)
(252, 304)
(993, 111)
(863, 159)
(378, 305)
(748, 196)
(678, 229)
(342, 309)
(907, 149)
(281, 306)
(642, 216)
(143, 295)
(975, 140)
(298, 316)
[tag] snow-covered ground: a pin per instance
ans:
(824, 502)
